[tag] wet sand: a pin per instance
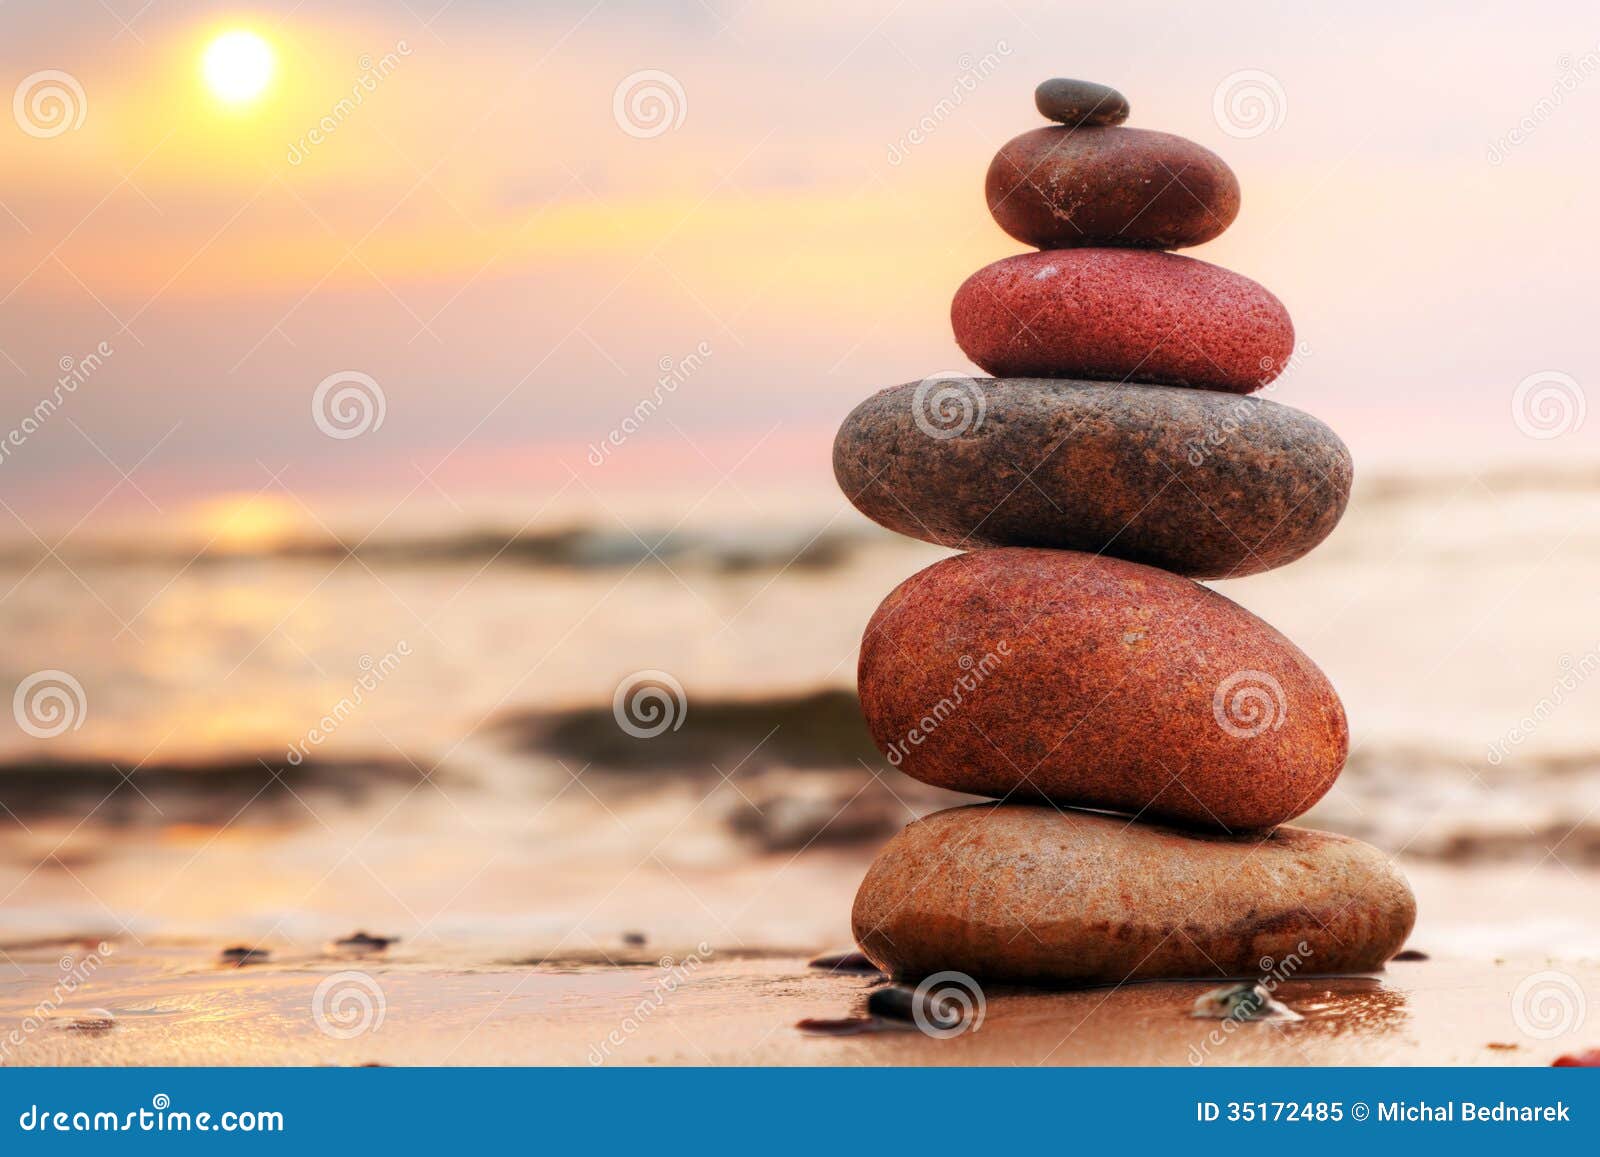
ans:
(175, 1006)
(589, 996)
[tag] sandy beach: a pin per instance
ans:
(744, 1010)
(730, 998)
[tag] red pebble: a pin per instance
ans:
(1122, 315)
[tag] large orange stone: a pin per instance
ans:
(1021, 673)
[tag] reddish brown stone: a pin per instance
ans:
(1196, 482)
(1027, 674)
(1060, 187)
(1036, 895)
(1115, 315)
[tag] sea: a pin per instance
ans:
(564, 726)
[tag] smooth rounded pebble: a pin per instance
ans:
(1017, 893)
(1058, 187)
(1199, 483)
(1117, 315)
(1080, 102)
(1024, 674)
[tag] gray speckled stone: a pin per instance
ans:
(1080, 102)
(1199, 483)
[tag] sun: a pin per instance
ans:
(238, 66)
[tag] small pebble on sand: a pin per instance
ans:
(845, 962)
(363, 942)
(840, 1026)
(239, 955)
(94, 1022)
(1245, 1001)
(928, 1010)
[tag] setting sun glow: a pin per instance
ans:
(238, 66)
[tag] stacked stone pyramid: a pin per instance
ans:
(1144, 736)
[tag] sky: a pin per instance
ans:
(455, 209)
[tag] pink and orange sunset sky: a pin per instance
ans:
(492, 236)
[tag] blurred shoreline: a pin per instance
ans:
(601, 534)
(812, 777)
